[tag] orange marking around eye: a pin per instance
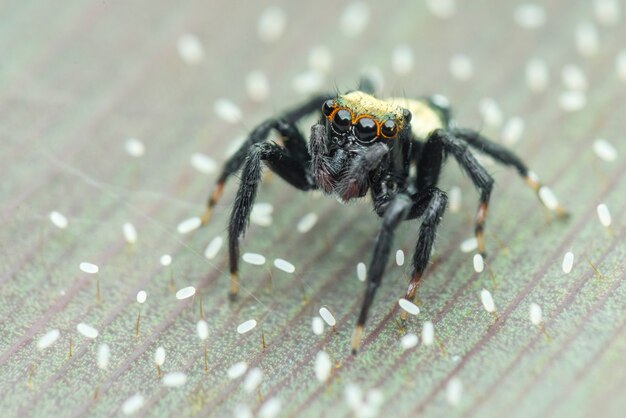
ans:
(356, 119)
(392, 136)
(337, 109)
(396, 130)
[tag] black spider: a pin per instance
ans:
(363, 143)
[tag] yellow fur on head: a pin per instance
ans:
(360, 103)
(424, 119)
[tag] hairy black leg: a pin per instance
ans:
(429, 163)
(279, 161)
(233, 164)
(416, 151)
(477, 173)
(355, 179)
(395, 213)
(430, 204)
(506, 157)
(293, 140)
(285, 124)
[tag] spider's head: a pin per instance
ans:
(355, 124)
(357, 120)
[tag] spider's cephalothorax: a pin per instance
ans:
(393, 148)
(359, 131)
(366, 142)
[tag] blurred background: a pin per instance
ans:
(115, 120)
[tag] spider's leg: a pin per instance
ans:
(429, 162)
(292, 170)
(476, 172)
(506, 157)
(285, 125)
(395, 212)
(234, 163)
(430, 204)
(293, 140)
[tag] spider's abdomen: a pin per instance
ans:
(425, 117)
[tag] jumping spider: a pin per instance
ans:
(364, 143)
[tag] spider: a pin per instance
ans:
(360, 144)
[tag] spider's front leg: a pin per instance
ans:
(285, 125)
(234, 163)
(429, 204)
(291, 168)
(395, 212)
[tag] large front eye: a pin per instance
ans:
(366, 129)
(389, 129)
(342, 120)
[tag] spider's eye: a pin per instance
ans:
(366, 129)
(389, 129)
(342, 120)
(328, 107)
